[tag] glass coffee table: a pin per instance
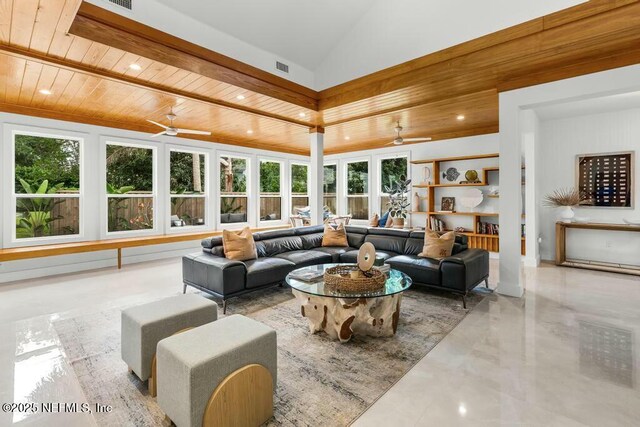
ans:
(341, 315)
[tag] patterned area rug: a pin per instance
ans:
(318, 378)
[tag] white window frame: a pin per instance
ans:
(379, 193)
(218, 192)
(283, 217)
(345, 187)
(158, 216)
(291, 196)
(10, 226)
(338, 186)
(208, 223)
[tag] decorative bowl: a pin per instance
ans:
(632, 221)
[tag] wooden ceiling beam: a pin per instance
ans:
(578, 32)
(122, 78)
(108, 28)
(91, 120)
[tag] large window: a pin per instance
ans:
(233, 189)
(329, 185)
(358, 189)
(130, 187)
(391, 172)
(299, 187)
(270, 196)
(187, 180)
(46, 186)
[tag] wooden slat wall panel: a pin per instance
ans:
(6, 12)
(23, 19)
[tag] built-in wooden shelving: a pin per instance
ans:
(489, 242)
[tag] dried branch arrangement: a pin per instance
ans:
(563, 197)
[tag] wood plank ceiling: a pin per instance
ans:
(82, 54)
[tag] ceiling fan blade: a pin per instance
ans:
(390, 143)
(194, 132)
(157, 134)
(158, 124)
(416, 139)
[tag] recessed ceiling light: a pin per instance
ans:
(135, 67)
(347, 138)
(460, 117)
(302, 114)
(45, 91)
(462, 410)
(249, 131)
(240, 97)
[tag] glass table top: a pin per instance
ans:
(397, 282)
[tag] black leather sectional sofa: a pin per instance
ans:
(282, 251)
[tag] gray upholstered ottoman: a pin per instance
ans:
(235, 357)
(145, 325)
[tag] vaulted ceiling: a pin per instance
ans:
(82, 55)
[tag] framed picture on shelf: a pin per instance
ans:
(448, 204)
(606, 179)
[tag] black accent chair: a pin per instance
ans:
(282, 251)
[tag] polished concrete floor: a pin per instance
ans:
(564, 355)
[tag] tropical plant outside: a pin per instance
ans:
(46, 166)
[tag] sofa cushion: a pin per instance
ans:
(279, 245)
(311, 229)
(306, 257)
(421, 270)
(335, 252)
(356, 235)
(312, 241)
(387, 239)
(267, 271)
(351, 257)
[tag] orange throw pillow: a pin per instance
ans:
(436, 246)
(335, 236)
(239, 245)
(375, 221)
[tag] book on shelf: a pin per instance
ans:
(488, 228)
(307, 275)
(436, 224)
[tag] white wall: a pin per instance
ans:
(561, 141)
(448, 148)
(93, 189)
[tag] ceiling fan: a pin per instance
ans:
(174, 131)
(400, 140)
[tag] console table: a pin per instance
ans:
(561, 247)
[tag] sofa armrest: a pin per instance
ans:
(218, 274)
(465, 270)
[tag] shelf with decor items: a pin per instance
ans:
(436, 185)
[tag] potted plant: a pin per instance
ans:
(566, 199)
(399, 200)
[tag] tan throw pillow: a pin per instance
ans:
(389, 223)
(375, 221)
(436, 246)
(239, 245)
(335, 236)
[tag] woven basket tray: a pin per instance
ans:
(339, 279)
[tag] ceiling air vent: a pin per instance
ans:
(122, 3)
(282, 67)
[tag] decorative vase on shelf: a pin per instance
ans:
(416, 202)
(567, 214)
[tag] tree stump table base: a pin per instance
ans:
(341, 318)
